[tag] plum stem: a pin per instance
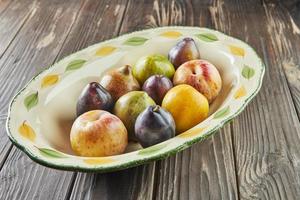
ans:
(126, 69)
(156, 108)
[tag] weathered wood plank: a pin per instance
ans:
(97, 21)
(103, 16)
(99, 14)
(293, 7)
(190, 174)
(13, 14)
(35, 47)
(128, 184)
(205, 171)
(26, 56)
(4, 5)
(5, 146)
(10, 24)
(41, 37)
(21, 178)
(284, 32)
(266, 134)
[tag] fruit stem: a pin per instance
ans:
(126, 69)
(156, 108)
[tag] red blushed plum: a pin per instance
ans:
(185, 50)
(154, 125)
(202, 75)
(157, 86)
(93, 97)
(98, 133)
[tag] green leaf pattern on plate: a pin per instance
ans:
(75, 64)
(31, 100)
(51, 153)
(207, 37)
(135, 41)
(248, 72)
(152, 149)
(222, 113)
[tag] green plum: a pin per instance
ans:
(152, 65)
(129, 106)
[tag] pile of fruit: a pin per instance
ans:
(142, 103)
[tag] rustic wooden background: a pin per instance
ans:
(257, 156)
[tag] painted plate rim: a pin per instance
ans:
(102, 164)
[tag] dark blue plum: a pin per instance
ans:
(157, 86)
(185, 50)
(154, 125)
(94, 97)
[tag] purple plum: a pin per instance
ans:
(157, 86)
(94, 97)
(185, 50)
(154, 125)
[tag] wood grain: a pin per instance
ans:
(134, 183)
(284, 32)
(87, 13)
(5, 146)
(35, 47)
(81, 35)
(204, 171)
(4, 4)
(22, 178)
(23, 59)
(96, 21)
(266, 134)
(10, 23)
(292, 8)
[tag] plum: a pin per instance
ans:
(93, 97)
(157, 86)
(151, 65)
(119, 82)
(185, 50)
(129, 106)
(202, 75)
(98, 133)
(154, 125)
(187, 106)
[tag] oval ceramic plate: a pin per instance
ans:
(41, 114)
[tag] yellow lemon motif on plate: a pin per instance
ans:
(97, 161)
(238, 51)
(240, 92)
(192, 132)
(49, 80)
(105, 51)
(26, 131)
(171, 34)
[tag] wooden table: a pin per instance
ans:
(257, 156)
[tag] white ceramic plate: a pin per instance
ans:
(40, 115)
